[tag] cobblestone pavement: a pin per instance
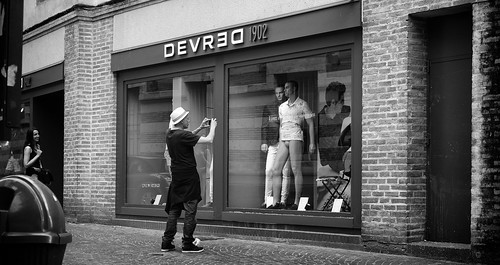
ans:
(106, 244)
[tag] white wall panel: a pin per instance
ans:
(176, 18)
(44, 51)
(38, 11)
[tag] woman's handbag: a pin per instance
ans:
(45, 176)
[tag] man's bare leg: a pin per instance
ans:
(295, 150)
(279, 163)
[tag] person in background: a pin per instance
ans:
(168, 160)
(270, 135)
(292, 114)
(334, 137)
(32, 160)
(330, 120)
(184, 192)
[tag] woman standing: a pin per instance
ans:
(32, 154)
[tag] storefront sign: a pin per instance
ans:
(216, 41)
(334, 18)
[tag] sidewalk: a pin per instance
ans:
(105, 244)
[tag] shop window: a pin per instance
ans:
(149, 104)
(11, 152)
(325, 84)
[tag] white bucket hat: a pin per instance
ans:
(178, 115)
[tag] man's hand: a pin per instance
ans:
(213, 123)
(312, 148)
(324, 171)
(264, 148)
(205, 123)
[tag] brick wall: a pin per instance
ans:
(394, 124)
(90, 121)
(416, 153)
(485, 214)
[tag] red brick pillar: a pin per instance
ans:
(90, 120)
(485, 213)
(394, 126)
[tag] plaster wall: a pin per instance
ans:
(36, 11)
(177, 18)
(43, 52)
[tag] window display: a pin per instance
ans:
(149, 104)
(289, 133)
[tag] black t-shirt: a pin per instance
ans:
(331, 150)
(181, 149)
(185, 185)
(30, 170)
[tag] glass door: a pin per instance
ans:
(149, 104)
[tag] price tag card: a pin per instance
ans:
(337, 205)
(269, 201)
(157, 200)
(302, 203)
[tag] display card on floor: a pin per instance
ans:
(302, 203)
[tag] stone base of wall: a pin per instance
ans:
(431, 250)
(439, 250)
(345, 241)
(374, 246)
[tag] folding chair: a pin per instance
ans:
(337, 185)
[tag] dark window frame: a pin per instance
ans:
(312, 218)
(220, 63)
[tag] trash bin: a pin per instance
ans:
(32, 224)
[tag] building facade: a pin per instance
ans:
(414, 84)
